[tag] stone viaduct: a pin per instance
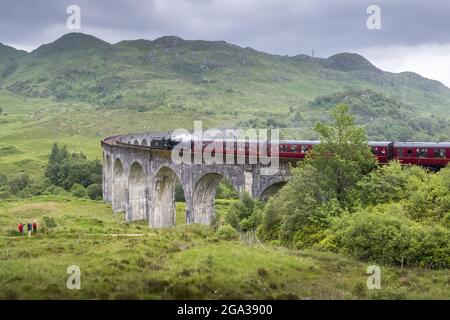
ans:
(141, 181)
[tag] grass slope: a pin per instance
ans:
(186, 261)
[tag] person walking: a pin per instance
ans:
(34, 226)
(21, 228)
(29, 229)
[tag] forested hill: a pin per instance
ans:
(208, 77)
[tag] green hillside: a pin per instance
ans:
(385, 117)
(211, 78)
(8, 59)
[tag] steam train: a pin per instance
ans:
(427, 154)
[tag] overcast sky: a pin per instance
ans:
(414, 34)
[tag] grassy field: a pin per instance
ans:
(130, 261)
(30, 126)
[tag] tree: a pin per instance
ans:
(343, 156)
(55, 159)
(65, 169)
(320, 186)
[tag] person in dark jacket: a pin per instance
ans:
(29, 228)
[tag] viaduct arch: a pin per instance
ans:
(141, 181)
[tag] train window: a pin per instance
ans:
(409, 153)
(284, 148)
(304, 149)
(293, 148)
(240, 146)
(439, 153)
(373, 150)
(422, 152)
(400, 152)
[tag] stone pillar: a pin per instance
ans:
(248, 182)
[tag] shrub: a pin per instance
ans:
(56, 190)
(225, 190)
(78, 190)
(385, 234)
(94, 191)
(430, 247)
(245, 214)
(19, 182)
(3, 180)
(37, 186)
(381, 234)
(387, 183)
(227, 232)
(48, 222)
(5, 192)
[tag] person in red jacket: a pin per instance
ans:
(21, 228)
(34, 226)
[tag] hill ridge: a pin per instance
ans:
(169, 71)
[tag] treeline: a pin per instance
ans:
(66, 173)
(339, 200)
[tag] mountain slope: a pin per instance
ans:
(8, 59)
(170, 74)
(385, 117)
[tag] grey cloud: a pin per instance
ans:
(283, 27)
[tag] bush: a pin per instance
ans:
(387, 183)
(246, 214)
(225, 190)
(78, 190)
(430, 247)
(384, 234)
(38, 186)
(3, 180)
(19, 182)
(380, 234)
(56, 191)
(5, 192)
(227, 232)
(94, 191)
(48, 222)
